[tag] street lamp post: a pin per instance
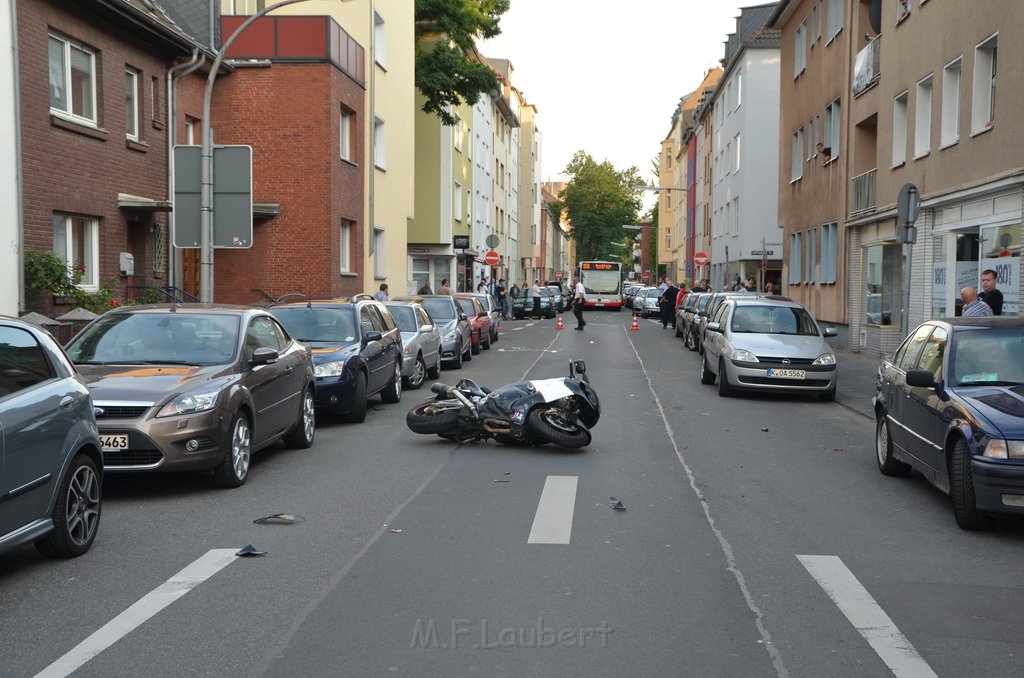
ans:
(206, 161)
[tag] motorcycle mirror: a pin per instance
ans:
(580, 366)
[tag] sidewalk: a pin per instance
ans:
(856, 388)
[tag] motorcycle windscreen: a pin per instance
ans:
(551, 389)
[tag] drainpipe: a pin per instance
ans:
(18, 167)
(174, 74)
(373, 147)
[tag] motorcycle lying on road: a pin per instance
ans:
(560, 411)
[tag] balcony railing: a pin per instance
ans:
(864, 192)
(865, 68)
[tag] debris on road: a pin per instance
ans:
(280, 519)
(616, 504)
(250, 552)
(764, 430)
(394, 531)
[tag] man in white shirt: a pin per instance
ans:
(579, 294)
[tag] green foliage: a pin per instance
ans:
(599, 200)
(48, 274)
(445, 74)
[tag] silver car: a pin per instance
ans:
(421, 342)
(757, 343)
(492, 308)
(456, 334)
(51, 471)
(646, 302)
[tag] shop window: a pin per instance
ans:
(883, 284)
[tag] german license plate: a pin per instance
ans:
(114, 442)
(600, 303)
(785, 374)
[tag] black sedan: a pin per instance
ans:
(950, 404)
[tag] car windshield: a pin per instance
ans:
(308, 324)
(168, 338)
(554, 291)
(991, 356)
(773, 320)
(467, 306)
(405, 318)
(440, 308)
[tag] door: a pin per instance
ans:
(922, 413)
(900, 429)
(374, 355)
(267, 383)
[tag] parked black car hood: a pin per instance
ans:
(1001, 405)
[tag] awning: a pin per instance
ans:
(137, 203)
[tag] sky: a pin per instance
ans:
(606, 76)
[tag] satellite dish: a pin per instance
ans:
(875, 16)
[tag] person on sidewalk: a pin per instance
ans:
(444, 289)
(990, 294)
(579, 295)
(382, 293)
(973, 306)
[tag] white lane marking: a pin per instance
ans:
(854, 601)
(552, 523)
(146, 607)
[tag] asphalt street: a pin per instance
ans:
(758, 539)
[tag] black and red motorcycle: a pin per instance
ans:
(560, 411)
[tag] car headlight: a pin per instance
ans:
(407, 350)
(331, 369)
(744, 356)
(825, 359)
(452, 336)
(190, 403)
(997, 448)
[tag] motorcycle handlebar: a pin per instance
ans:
(440, 389)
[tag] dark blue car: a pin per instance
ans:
(357, 351)
(950, 404)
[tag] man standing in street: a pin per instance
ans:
(500, 295)
(535, 293)
(990, 295)
(382, 294)
(579, 295)
(668, 305)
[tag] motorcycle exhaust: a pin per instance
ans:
(497, 426)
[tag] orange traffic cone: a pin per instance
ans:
(560, 325)
(635, 327)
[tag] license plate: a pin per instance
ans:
(114, 442)
(785, 374)
(600, 303)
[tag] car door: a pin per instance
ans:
(293, 355)
(39, 407)
(714, 342)
(392, 337)
(430, 342)
(374, 355)
(922, 406)
(267, 383)
(896, 405)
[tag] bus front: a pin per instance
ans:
(603, 283)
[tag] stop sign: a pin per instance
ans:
(700, 258)
(491, 258)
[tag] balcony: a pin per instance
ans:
(866, 70)
(864, 192)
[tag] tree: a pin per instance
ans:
(446, 34)
(599, 200)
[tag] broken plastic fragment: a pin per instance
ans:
(501, 480)
(394, 531)
(250, 552)
(616, 504)
(765, 429)
(280, 519)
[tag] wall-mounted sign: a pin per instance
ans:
(460, 242)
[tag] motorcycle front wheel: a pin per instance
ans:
(545, 425)
(433, 417)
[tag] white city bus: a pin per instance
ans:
(603, 283)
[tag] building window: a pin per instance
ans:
(800, 49)
(457, 132)
(457, 200)
(154, 97)
(241, 7)
(829, 252)
(345, 247)
(76, 241)
(923, 118)
(345, 128)
(833, 121)
(739, 88)
(735, 216)
(950, 132)
(899, 129)
(668, 238)
(379, 40)
(795, 258)
(796, 164)
(835, 17)
(380, 149)
(815, 22)
(131, 104)
(903, 8)
(72, 80)
(983, 109)
(379, 255)
(812, 253)
(736, 153)
(883, 284)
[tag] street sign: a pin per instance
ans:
(700, 258)
(647, 276)
(491, 258)
(908, 207)
(232, 196)
(492, 241)
(460, 242)
(759, 253)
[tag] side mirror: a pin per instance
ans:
(373, 335)
(264, 356)
(715, 327)
(702, 314)
(830, 332)
(463, 317)
(920, 378)
(426, 328)
(579, 366)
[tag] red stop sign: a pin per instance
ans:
(700, 258)
(491, 258)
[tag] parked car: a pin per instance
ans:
(557, 298)
(51, 470)
(755, 343)
(456, 335)
(689, 299)
(357, 351)
(479, 322)
(950, 404)
(646, 302)
(628, 293)
(421, 342)
(704, 316)
(522, 307)
(188, 387)
(493, 310)
(686, 317)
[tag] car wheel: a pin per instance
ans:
(724, 389)
(392, 393)
(435, 371)
(487, 346)
(828, 396)
(494, 337)
(961, 489)
(691, 341)
(301, 436)
(234, 469)
(887, 463)
(707, 377)
(76, 517)
(357, 414)
(457, 360)
(419, 374)
(679, 332)
(469, 352)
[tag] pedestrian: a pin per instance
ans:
(663, 284)
(502, 296)
(667, 302)
(425, 289)
(382, 294)
(535, 293)
(514, 291)
(444, 289)
(751, 286)
(990, 295)
(769, 288)
(481, 286)
(579, 295)
(973, 306)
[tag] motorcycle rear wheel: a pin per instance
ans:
(544, 426)
(433, 417)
